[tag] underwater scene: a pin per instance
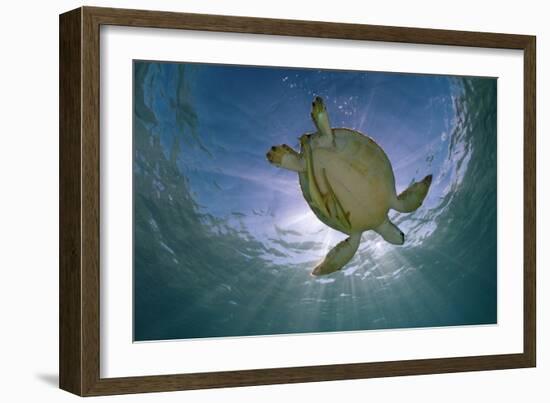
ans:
(225, 241)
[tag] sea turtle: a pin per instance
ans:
(347, 180)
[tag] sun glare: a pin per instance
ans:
(304, 221)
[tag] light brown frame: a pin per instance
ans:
(79, 200)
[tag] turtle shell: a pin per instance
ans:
(349, 186)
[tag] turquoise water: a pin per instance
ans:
(224, 241)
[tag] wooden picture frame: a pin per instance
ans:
(80, 185)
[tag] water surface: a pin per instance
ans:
(224, 241)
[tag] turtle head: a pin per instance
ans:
(319, 115)
(317, 108)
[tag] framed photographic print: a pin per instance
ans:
(249, 201)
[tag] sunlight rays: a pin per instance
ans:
(304, 220)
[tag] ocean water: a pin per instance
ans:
(224, 241)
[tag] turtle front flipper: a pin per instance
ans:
(285, 157)
(334, 207)
(338, 256)
(325, 204)
(317, 198)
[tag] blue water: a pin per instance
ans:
(224, 241)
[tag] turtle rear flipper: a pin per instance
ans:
(338, 256)
(412, 197)
(390, 232)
